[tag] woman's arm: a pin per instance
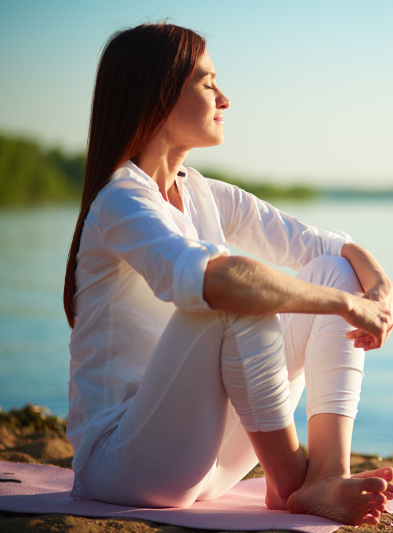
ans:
(374, 280)
(371, 275)
(261, 229)
(244, 286)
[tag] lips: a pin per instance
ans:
(219, 119)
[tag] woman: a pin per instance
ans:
(183, 375)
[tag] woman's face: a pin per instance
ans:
(197, 118)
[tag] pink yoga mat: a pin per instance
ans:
(45, 489)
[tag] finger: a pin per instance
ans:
(365, 339)
(367, 343)
(371, 346)
(355, 333)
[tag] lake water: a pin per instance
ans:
(34, 334)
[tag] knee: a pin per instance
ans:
(330, 263)
(331, 271)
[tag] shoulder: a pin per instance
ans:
(126, 186)
(220, 189)
(124, 197)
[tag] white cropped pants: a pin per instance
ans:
(213, 376)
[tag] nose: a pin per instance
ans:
(222, 101)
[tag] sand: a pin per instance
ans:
(33, 435)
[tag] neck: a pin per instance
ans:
(162, 163)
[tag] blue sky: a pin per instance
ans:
(310, 81)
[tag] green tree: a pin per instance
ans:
(29, 174)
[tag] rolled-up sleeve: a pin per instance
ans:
(259, 228)
(135, 228)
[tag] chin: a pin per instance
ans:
(220, 141)
(216, 141)
(208, 141)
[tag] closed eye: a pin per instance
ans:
(208, 87)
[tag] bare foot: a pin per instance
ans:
(385, 472)
(273, 501)
(277, 494)
(346, 500)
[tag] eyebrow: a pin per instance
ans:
(204, 74)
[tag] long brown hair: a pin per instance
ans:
(140, 76)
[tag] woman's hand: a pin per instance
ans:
(378, 288)
(244, 286)
(372, 316)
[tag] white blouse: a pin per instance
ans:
(139, 259)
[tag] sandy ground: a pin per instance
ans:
(32, 435)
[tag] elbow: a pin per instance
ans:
(224, 280)
(213, 281)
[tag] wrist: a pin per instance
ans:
(347, 304)
(385, 283)
(382, 289)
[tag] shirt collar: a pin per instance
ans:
(139, 175)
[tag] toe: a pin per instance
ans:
(375, 513)
(388, 474)
(373, 484)
(389, 494)
(380, 507)
(378, 498)
(370, 520)
(383, 472)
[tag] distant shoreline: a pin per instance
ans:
(31, 175)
